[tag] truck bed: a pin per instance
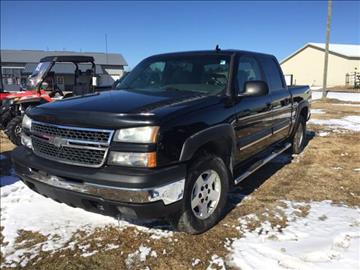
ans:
(300, 92)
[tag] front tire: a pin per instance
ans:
(205, 195)
(13, 130)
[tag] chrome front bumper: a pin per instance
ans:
(169, 193)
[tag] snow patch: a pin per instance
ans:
(195, 262)
(344, 96)
(327, 238)
(23, 209)
(88, 254)
(351, 122)
(346, 105)
(111, 246)
(324, 133)
(317, 111)
(217, 261)
(138, 255)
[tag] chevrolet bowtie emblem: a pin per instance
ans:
(57, 141)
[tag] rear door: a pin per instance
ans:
(280, 98)
(253, 116)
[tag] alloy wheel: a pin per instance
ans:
(205, 194)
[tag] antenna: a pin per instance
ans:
(217, 48)
(106, 49)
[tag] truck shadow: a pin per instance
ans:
(255, 180)
(7, 174)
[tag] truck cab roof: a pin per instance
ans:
(210, 52)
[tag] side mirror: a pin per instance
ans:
(255, 89)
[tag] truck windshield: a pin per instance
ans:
(36, 77)
(207, 74)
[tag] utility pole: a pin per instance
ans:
(106, 49)
(328, 21)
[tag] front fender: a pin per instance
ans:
(201, 138)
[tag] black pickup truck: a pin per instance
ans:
(178, 132)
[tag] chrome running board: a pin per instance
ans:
(257, 165)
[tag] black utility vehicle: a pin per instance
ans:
(41, 88)
(170, 141)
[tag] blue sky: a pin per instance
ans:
(140, 29)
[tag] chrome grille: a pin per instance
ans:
(76, 146)
(71, 133)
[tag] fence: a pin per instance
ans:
(353, 80)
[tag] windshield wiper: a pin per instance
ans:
(171, 88)
(124, 87)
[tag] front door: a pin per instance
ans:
(253, 114)
(280, 99)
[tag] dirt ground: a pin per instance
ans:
(324, 171)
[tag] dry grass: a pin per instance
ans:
(5, 144)
(324, 171)
(27, 239)
(335, 109)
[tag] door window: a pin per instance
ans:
(248, 70)
(273, 75)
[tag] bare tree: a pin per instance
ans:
(328, 21)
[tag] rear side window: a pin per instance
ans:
(272, 73)
(248, 70)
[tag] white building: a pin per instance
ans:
(306, 65)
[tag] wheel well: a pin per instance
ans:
(304, 112)
(220, 148)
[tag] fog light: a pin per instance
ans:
(26, 141)
(133, 159)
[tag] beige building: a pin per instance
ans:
(306, 65)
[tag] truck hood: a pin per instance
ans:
(118, 108)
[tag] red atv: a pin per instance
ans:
(40, 89)
(3, 95)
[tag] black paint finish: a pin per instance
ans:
(239, 126)
(257, 121)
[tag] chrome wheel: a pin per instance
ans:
(299, 135)
(205, 194)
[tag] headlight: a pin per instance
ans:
(26, 122)
(133, 159)
(137, 135)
